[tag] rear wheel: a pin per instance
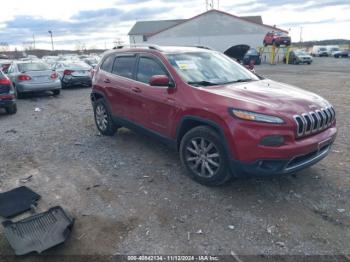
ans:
(11, 109)
(56, 92)
(203, 154)
(18, 94)
(103, 119)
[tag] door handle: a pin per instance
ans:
(136, 90)
(107, 81)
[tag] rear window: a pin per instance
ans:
(32, 67)
(124, 66)
(76, 65)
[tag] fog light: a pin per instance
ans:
(273, 140)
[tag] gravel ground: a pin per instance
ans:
(129, 194)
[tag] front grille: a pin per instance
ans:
(314, 122)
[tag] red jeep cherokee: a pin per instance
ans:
(224, 120)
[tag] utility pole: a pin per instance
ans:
(50, 32)
(33, 41)
(301, 36)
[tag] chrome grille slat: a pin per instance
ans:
(314, 121)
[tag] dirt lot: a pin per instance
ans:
(129, 194)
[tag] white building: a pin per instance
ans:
(216, 29)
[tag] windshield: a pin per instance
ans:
(209, 68)
(32, 67)
(252, 52)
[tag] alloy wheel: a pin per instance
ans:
(203, 157)
(101, 117)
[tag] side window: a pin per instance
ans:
(147, 68)
(108, 64)
(10, 69)
(124, 66)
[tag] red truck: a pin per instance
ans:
(276, 39)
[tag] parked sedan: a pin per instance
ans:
(7, 94)
(299, 57)
(73, 73)
(342, 53)
(33, 76)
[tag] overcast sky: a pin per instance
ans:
(98, 23)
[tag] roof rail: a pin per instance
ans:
(150, 46)
(203, 47)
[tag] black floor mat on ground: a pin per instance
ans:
(17, 201)
(39, 232)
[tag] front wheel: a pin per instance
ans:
(103, 119)
(56, 92)
(11, 109)
(203, 154)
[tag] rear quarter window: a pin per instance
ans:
(107, 64)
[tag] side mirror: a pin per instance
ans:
(159, 80)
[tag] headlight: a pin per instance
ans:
(252, 116)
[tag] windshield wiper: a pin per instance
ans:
(202, 83)
(240, 81)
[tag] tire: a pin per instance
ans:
(56, 92)
(196, 159)
(18, 94)
(11, 110)
(103, 119)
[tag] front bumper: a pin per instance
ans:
(250, 156)
(271, 167)
(7, 100)
(37, 87)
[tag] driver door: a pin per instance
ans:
(159, 103)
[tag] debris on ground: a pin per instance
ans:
(37, 109)
(231, 227)
(39, 232)
(26, 179)
(17, 201)
(13, 131)
(270, 229)
(280, 244)
(94, 186)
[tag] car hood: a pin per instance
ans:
(304, 56)
(269, 96)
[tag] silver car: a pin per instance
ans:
(33, 76)
(74, 73)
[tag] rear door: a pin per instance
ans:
(158, 103)
(120, 83)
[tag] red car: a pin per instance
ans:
(224, 120)
(7, 94)
(277, 39)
